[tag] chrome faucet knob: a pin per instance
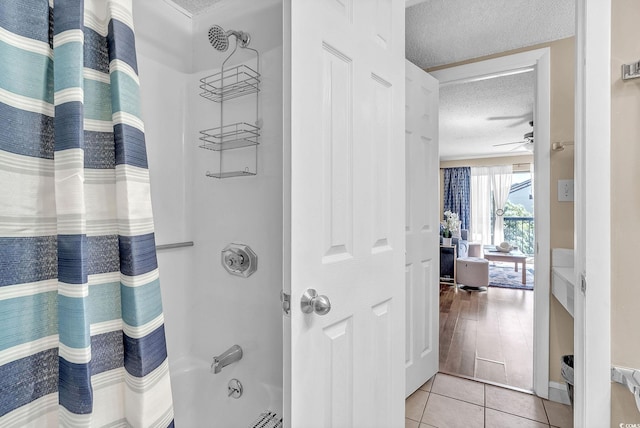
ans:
(234, 388)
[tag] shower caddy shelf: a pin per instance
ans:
(233, 136)
(228, 84)
(234, 82)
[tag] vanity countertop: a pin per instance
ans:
(562, 286)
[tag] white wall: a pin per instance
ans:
(206, 309)
(242, 210)
(163, 97)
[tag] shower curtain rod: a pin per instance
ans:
(174, 245)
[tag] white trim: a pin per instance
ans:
(558, 393)
(592, 323)
(542, 215)
(496, 67)
(540, 60)
(286, 210)
(409, 3)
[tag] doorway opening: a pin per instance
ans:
(487, 333)
(537, 61)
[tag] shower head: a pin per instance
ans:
(219, 38)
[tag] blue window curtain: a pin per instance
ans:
(457, 193)
(82, 340)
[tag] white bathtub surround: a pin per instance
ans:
(206, 309)
(200, 397)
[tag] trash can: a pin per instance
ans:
(566, 368)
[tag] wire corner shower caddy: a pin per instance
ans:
(228, 84)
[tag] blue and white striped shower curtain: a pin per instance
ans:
(82, 340)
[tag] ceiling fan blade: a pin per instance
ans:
(519, 119)
(527, 145)
(506, 144)
(520, 116)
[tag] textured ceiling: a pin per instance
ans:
(446, 31)
(475, 116)
(440, 32)
(194, 6)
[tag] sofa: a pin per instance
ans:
(447, 260)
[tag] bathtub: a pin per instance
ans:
(200, 398)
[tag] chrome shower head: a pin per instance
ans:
(219, 38)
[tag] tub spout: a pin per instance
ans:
(229, 356)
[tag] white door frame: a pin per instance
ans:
(592, 324)
(538, 60)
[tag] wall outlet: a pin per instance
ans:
(565, 190)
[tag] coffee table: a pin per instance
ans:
(514, 256)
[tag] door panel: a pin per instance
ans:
(422, 231)
(337, 155)
(381, 146)
(347, 213)
(338, 369)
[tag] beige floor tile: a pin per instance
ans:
(408, 423)
(515, 403)
(497, 419)
(427, 385)
(560, 415)
(445, 412)
(461, 389)
(414, 405)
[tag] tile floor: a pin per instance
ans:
(448, 402)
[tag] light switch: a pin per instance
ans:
(565, 190)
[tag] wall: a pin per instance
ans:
(562, 119)
(625, 206)
(230, 309)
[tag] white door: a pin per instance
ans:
(422, 227)
(346, 213)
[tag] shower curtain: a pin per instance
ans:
(82, 340)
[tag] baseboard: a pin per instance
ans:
(558, 393)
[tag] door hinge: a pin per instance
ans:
(583, 284)
(285, 299)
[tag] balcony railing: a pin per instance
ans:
(520, 232)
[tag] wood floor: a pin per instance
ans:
(487, 335)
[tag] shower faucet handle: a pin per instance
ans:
(312, 302)
(239, 259)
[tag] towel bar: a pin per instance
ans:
(630, 378)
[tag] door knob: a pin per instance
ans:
(311, 302)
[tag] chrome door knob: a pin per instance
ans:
(311, 302)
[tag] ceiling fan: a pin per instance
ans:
(527, 143)
(519, 119)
